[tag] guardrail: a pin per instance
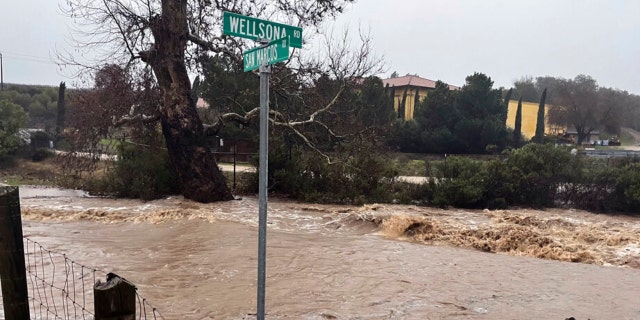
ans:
(611, 153)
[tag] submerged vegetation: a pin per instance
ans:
(535, 176)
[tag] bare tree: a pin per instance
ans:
(578, 103)
(169, 35)
(344, 63)
(584, 105)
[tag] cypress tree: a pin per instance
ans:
(416, 101)
(393, 99)
(505, 109)
(401, 107)
(517, 128)
(62, 106)
(539, 137)
(389, 92)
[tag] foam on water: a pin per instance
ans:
(198, 261)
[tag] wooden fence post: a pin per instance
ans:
(114, 299)
(13, 274)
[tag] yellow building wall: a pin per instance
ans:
(409, 105)
(529, 118)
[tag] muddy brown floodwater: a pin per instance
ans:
(198, 261)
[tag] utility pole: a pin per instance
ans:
(1, 74)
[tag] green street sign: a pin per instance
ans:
(275, 52)
(254, 29)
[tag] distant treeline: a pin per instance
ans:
(40, 103)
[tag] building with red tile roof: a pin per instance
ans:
(409, 89)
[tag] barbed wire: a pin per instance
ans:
(60, 288)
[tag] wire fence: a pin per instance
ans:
(60, 288)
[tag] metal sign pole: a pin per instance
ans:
(272, 50)
(265, 71)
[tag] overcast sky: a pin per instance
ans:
(439, 40)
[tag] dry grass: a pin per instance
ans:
(22, 171)
(62, 171)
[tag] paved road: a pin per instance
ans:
(239, 167)
(246, 168)
(636, 136)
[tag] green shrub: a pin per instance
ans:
(462, 183)
(357, 178)
(591, 189)
(626, 193)
(534, 173)
(140, 172)
(528, 176)
(41, 136)
(41, 154)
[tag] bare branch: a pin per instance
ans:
(343, 64)
(138, 118)
(120, 28)
(349, 60)
(311, 145)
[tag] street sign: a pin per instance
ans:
(280, 37)
(276, 51)
(255, 29)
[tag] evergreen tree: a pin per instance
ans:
(505, 110)
(392, 94)
(517, 127)
(539, 137)
(437, 109)
(372, 108)
(60, 112)
(481, 109)
(388, 92)
(401, 107)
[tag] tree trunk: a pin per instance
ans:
(581, 134)
(181, 126)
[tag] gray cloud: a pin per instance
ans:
(445, 40)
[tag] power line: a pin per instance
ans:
(25, 55)
(28, 58)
